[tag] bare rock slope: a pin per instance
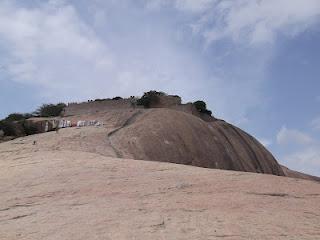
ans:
(75, 195)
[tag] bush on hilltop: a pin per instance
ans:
(151, 97)
(18, 117)
(50, 110)
(201, 106)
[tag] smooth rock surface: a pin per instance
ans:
(74, 195)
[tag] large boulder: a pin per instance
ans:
(175, 136)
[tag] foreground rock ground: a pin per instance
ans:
(68, 194)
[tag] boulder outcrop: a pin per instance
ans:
(175, 136)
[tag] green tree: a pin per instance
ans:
(151, 97)
(18, 116)
(8, 128)
(201, 106)
(29, 128)
(50, 110)
(117, 98)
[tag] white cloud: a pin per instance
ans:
(191, 6)
(47, 40)
(52, 46)
(315, 123)
(299, 151)
(292, 136)
(258, 21)
(194, 6)
(306, 160)
(253, 23)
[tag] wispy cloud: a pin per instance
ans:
(292, 136)
(306, 160)
(49, 45)
(246, 28)
(303, 151)
(258, 22)
(191, 6)
(315, 123)
(52, 46)
(246, 21)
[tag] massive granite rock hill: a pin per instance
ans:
(176, 132)
(167, 132)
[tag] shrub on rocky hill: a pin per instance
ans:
(12, 125)
(7, 127)
(18, 116)
(151, 97)
(100, 99)
(50, 110)
(29, 128)
(117, 98)
(201, 106)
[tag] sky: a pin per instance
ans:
(256, 63)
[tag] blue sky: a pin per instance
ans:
(255, 62)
